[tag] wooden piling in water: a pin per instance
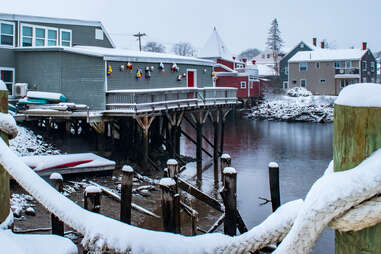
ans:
(169, 207)
(274, 185)
(226, 161)
(92, 199)
(229, 193)
(57, 225)
(126, 194)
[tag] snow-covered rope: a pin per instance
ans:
(329, 198)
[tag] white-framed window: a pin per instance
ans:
(348, 64)
(8, 76)
(66, 39)
(301, 45)
(364, 80)
(323, 81)
(285, 84)
(372, 66)
(243, 84)
(303, 66)
(38, 36)
(99, 34)
(336, 64)
(7, 33)
(363, 66)
(303, 83)
(317, 65)
(286, 70)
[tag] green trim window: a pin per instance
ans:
(66, 38)
(7, 33)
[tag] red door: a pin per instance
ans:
(190, 78)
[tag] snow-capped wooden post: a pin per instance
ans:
(274, 185)
(226, 161)
(229, 196)
(357, 134)
(168, 204)
(92, 199)
(4, 178)
(126, 194)
(57, 225)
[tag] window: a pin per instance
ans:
(66, 38)
(38, 36)
(243, 84)
(98, 34)
(7, 75)
(286, 70)
(7, 34)
(317, 65)
(268, 55)
(336, 64)
(301, 45)
(285, 84)
(348, 64)
(363, 66)
(323, 81)
(294, 82)
(364, 79)
(303, 66)
(372, 80)
(372, 66)
(303, 83)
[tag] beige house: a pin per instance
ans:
(327, 71)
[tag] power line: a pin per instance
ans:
(140, 35)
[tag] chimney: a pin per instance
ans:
(364, 46)
(314, 41)
(233, 57)
(244, 59)
(322, 44)
(253, 61)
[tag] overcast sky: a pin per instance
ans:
(242, 24)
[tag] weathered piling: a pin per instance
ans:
(57, 225)
(173, 168)
(92, 199)
(356, 136)
(229, 194)
(226, 161)
(274, 185)
(4, 178)
(126, 194)
(170, 209)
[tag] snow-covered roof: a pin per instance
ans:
(264, 70)
(328, 55)
(289, 50)
(50, 20)
(118, 54)
(215, 48)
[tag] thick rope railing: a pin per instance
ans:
(348, 200)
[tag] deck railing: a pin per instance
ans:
(143, 100)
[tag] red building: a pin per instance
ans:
(231, 72)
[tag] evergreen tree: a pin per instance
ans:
(274, 42)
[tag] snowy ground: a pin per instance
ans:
(297, 107)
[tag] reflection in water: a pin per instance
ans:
(302, 150)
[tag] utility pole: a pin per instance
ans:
(139, 35)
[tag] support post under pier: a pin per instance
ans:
(145, 122)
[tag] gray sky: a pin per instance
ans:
(242, 24)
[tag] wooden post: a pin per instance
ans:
(57, 225)
(229, 193)
(168, 204)
(198, 150)
(92, 199)
(226, 161)
(173, 168)
(126, 194)
(215, 117)
(4, 178)
(274, 185)
(145, 124)
(356, 136)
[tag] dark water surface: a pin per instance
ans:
(302, 150)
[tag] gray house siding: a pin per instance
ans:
(80, 78)
(7, 57)
(127, 79)
(284, 62)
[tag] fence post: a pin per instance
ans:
(226, 161)
(92, 199)
(356, 136)
(229, 193)
(126, 194)
(274, 185)
(57, 225)
(169, 204)
(4, 178)
(173, 168)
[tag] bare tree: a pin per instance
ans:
(183, 49)
(274, 42)
(249, 53)
(153, 46)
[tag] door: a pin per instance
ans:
(191, 78)
(8, 75)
